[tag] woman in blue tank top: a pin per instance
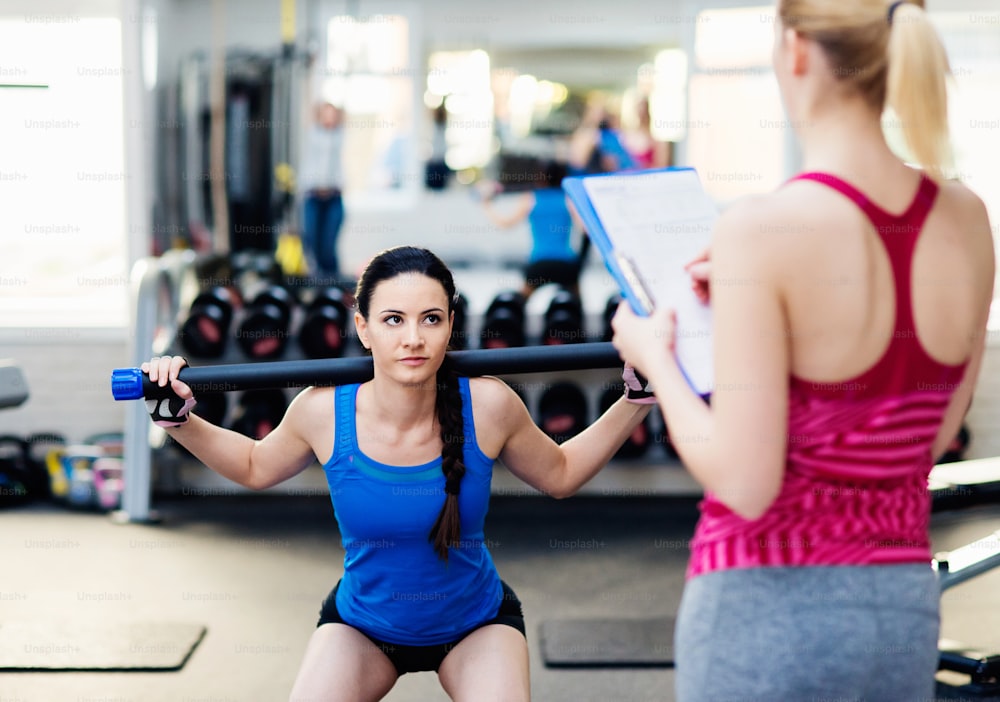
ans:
(408, 457)
(552, 258)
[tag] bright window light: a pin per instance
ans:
(735, 38)
(62, 175)
(668, 95)
(462, 80)
(368, 74)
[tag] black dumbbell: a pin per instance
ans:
(259, 412)
(503, 323)
(38, 446)
(459, 333)
(958, 446)
(609, 311)
(212, 407)
(15, 478)
(638, 441)
(206, 330)
(323, 332)
(263, 332)
(562, 411)
(563, 320)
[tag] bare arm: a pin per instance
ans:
(506, 220)
(980, 232)
(529, 453)
(256, 464)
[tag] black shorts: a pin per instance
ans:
(415, 659)
(564, 273)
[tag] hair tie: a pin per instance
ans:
(892, 9)
(452, 487)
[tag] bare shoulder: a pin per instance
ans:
(497, 411)
(310, 408)
(490, 395)
(961, 202)
(968, 223)
(763, 228)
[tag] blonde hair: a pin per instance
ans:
(899, 64)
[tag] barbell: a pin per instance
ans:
(133, 384)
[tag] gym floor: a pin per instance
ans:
(254, 568)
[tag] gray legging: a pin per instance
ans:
(809, 634)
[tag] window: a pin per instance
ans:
(63, 255)
(368, 74)
(737, 151)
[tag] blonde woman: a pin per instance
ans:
(850, 310)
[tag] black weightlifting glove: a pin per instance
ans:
(637, 389)
(170, 412)
(166, 409)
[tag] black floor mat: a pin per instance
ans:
(106, 646)
(601, 643)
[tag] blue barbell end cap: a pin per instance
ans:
(126, 383)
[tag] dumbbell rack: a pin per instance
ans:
(163, 289)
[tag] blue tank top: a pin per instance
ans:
(551, 227)
(395, 588)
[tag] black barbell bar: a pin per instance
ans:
(133, 384)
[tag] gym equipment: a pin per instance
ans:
(133, 384)
(15, 477)
(503, 323)
(564, 320)
(562, 411)
(263, 331)
(39, 445)
(78, 468)
(958, 446)
(324, 330)
(206, 330)
(13, 386)
(607, 643)
(212, 407)
(610, 307)
(955, 486)
(109, 482)
(459, 330)
(71, 644)
(259, 412)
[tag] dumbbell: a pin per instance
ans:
(609, 311)
(78, 467)
(956, 449)
(459, 333)
(562, 411)
(563, 321)
(109, 482)
(503, 323)
(259, 412)
(324, 329)
(212, 407)
(14, 472)
(638, 441)
(39, 445)
(205, 331)
(263, 331)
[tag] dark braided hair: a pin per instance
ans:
(386, 265)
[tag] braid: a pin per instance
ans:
(447, 529)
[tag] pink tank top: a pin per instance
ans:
(858, 451)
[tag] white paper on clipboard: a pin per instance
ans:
(656, 222)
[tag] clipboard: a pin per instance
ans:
(647, 225)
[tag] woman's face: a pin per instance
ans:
(408, 327)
